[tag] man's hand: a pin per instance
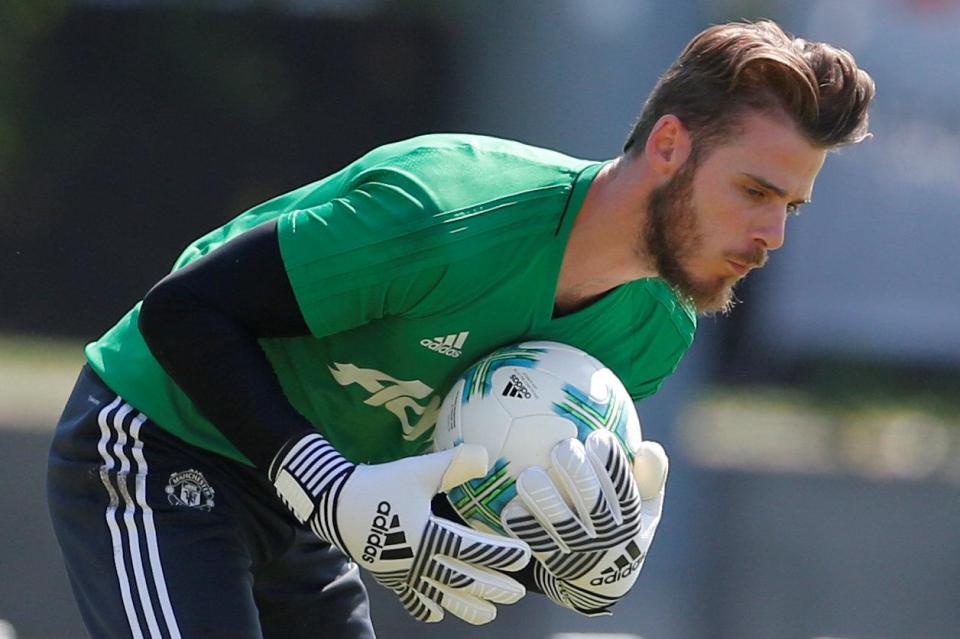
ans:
(589, 559)
(380, 517)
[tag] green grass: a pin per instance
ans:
(875, 429)
(18, 350)
(844, 402)
(36, 376)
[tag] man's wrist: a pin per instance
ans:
(308, 474)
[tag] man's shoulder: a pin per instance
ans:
(471, 149)
(453, 171)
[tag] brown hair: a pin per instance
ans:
(731, 68)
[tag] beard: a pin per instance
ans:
(671, 237)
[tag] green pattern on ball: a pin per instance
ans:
(588, 414)
(478, 379)
(481, 500)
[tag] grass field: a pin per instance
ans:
(36, 376)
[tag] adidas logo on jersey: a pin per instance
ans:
(386, 538)
(622, 567)
(449, 345)
(516, 388)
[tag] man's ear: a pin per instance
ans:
(668, 146)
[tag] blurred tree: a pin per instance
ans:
(24, 24)
(141, 128)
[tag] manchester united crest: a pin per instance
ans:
(189, 488)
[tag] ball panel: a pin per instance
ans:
(531, 438)
(446, 433)
(615, 413)
(479, 377)
(566, 362)
(485, 423)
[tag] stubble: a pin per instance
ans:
(671, 236)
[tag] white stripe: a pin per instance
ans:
(461, 339)
(293, 452)
(150, 529)
(129, 512)
(108, 465)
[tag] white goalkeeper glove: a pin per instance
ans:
(589, 559)
(380, 517)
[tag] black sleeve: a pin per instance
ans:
(202, 322)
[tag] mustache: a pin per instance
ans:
(755, 258)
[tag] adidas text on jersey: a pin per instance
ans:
(449, 345)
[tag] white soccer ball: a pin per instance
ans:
(518, 402)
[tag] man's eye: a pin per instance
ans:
(754, 193)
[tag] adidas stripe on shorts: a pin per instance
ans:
(164, 540)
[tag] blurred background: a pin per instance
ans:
(814, 433)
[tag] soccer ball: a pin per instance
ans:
(518, 402)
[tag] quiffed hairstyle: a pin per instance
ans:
(731, 68)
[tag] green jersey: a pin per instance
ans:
(408, 265)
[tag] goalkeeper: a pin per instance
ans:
(258, 429)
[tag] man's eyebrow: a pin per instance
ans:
(767, 184)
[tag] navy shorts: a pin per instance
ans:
(165, 540)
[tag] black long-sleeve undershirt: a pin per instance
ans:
(202, 323)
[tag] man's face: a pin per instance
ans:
(718, 216)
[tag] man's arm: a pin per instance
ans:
(202, 323)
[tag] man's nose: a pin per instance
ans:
(770, 228)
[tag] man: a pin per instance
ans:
(302, 349)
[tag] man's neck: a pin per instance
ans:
(604, 249)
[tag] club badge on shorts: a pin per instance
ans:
(189, 488)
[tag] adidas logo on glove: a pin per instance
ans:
(622, 567)
(386, 537)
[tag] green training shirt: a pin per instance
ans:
(408, 265)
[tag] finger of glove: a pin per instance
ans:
(419, 605)
(613, 468)
(599, 446)
(517, 520)
(433, 472)
(472, 546)
(437, 472)
(469, 462)
(578, 478)
(483, 583)
(650, 468)
(545, 502)
(471, 609)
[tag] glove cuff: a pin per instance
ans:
(308, 474)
